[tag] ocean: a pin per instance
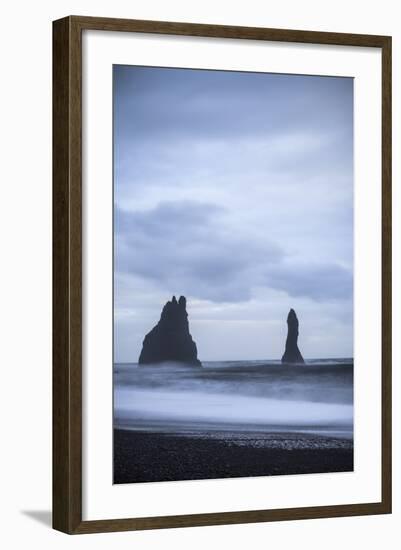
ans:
(255, 396)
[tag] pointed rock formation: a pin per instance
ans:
(292, 353)
(170, 339)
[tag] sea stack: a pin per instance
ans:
(170, 340)
(292, 353)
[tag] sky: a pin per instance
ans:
(234, 189)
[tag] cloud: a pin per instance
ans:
(187, 247)
(320, 282)
(203, 102)
(171, 123)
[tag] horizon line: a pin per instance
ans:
(232, 360)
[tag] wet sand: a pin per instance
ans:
(145, 456)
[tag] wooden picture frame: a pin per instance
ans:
(67, 274)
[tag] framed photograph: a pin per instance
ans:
(222, 274)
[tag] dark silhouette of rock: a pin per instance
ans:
(292, 353)
(170, 339)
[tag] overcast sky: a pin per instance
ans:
(235, 190)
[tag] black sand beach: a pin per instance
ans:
(144, 456)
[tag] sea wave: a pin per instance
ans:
(316, 396)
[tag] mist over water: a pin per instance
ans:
(261, 396)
